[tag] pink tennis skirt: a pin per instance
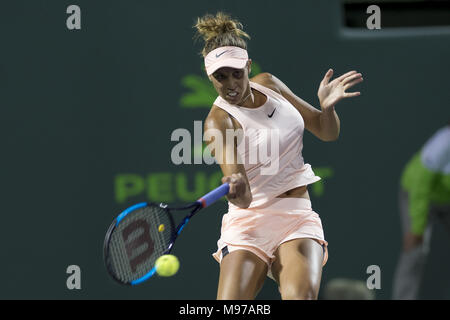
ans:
(261, 230)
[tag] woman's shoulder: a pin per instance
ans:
(267, 80)
(218, 119)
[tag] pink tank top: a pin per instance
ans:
(270, 172)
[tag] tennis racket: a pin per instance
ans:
(144, 232)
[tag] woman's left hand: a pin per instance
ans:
(332, 92)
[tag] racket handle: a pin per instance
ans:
(211, 197)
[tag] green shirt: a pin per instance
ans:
(427, 184)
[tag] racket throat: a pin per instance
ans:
(181, 225)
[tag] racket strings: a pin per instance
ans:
(138, 240)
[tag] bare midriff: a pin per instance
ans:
(299, 192)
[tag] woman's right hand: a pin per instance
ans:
(239, 191)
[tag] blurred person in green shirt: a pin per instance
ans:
(424, 199)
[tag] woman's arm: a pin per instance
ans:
(218, 121)
(324, 123)
(330, 125)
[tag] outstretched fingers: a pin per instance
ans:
(327, 77)
(345, 75)
(352, 80)
(351, 94)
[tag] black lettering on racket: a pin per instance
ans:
(134, 244)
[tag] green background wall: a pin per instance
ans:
(80, 108)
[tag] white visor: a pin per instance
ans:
(233, 57)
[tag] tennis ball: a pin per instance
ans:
(167, 265)
(161, 228)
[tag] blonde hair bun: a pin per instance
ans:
(220, 30)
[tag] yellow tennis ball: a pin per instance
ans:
(167, 265)
(161, 228)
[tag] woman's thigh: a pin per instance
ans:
(242, 274)
(298, 268)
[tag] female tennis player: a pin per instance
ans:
(270, 228)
